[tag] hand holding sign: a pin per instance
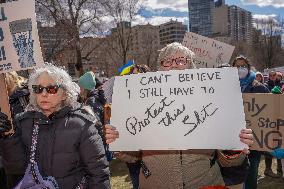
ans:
(179, 111)
(19, 43)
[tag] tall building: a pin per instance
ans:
(172, 31)
(200, 16)
(145, 45)
(53, 39)
(233, 22)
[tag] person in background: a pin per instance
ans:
(274, 80)
(69, 147)
(18, 93)
(249, 84)
(234, 176)
(279, 79)
(259, 77)
(180, 168)
(92, 95)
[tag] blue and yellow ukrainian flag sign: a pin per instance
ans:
(126, 68)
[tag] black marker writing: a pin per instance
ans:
(200, 117)
(151, 113)
(169, 119)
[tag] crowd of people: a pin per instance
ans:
(61, 135)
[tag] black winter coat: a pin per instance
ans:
(68, 148)
(271, 84)
(96, 100)
(256, 87)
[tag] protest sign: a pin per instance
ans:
(108, 89)
(265, 116)
(188, 109)
(209, 53)
(4, 101)
(19, 43)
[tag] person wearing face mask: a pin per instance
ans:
(247, 77)
(249, 84)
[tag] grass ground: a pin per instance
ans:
(120, 178)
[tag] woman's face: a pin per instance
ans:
(175, 62)
(50, 96)
(258, 78)
(241, 63)
(279, 77)
(272, 76)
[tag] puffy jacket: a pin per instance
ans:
(96, 100)
(68, 148)
(256, 87)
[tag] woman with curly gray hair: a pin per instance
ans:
(187, 169)
(59, 135)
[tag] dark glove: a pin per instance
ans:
(5, 124)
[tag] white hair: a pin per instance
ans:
(174, 48)
(60, 76)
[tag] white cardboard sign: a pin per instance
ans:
(19, 43)
(188, 109)
(209, 53)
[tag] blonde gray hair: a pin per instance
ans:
(173, 48)
(61, 77)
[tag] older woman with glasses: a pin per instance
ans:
(68, 146)
(187, 169)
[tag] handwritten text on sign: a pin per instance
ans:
(19, 44)
(265, 116)
(189, 109)
(209, 53)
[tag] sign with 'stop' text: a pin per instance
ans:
(19, 43)
(188, 109)
(209, 53)
(265, 116)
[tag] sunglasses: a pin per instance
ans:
(51, 89)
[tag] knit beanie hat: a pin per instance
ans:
(87, 81)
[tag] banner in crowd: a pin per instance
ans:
(19, 42)
(188, 109)
(209, 53)
(265, 116)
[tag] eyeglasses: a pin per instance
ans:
(51, 89)
(178, 61)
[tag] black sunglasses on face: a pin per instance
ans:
(51, 89)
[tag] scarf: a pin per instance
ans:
(245, 82)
